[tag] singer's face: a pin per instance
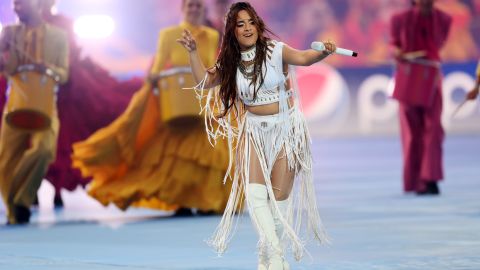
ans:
(246, 31)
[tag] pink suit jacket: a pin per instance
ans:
(417, 84)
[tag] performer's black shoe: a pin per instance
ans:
(431, 188)
(22, 214)
(58, 201)
(183, 212)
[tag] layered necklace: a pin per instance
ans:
(246, 65)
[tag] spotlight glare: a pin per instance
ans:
(94, 26)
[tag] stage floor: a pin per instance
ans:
(372, 224)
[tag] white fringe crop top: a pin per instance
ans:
(269, 91)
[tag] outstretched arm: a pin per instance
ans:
(306, 57)
(198, 68)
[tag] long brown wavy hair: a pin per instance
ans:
(230, 57)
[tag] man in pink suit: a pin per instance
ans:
(417, 36)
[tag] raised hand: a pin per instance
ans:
(187, 41)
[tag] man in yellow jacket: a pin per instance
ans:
(26, 154)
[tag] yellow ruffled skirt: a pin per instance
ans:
(139, 160)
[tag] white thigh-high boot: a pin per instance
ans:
(283, 207)
(262, 259)
(257, 197)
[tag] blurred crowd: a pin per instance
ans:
(362, 25)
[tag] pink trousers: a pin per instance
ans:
(422, 137)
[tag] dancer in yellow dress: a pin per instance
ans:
(156, 153)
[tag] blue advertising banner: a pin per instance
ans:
(356, 101)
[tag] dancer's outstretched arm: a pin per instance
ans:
(198, 68)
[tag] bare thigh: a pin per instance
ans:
(256, 174)
(282, 177)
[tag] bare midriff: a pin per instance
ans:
(267, 109)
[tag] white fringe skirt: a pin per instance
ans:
(270, 136)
